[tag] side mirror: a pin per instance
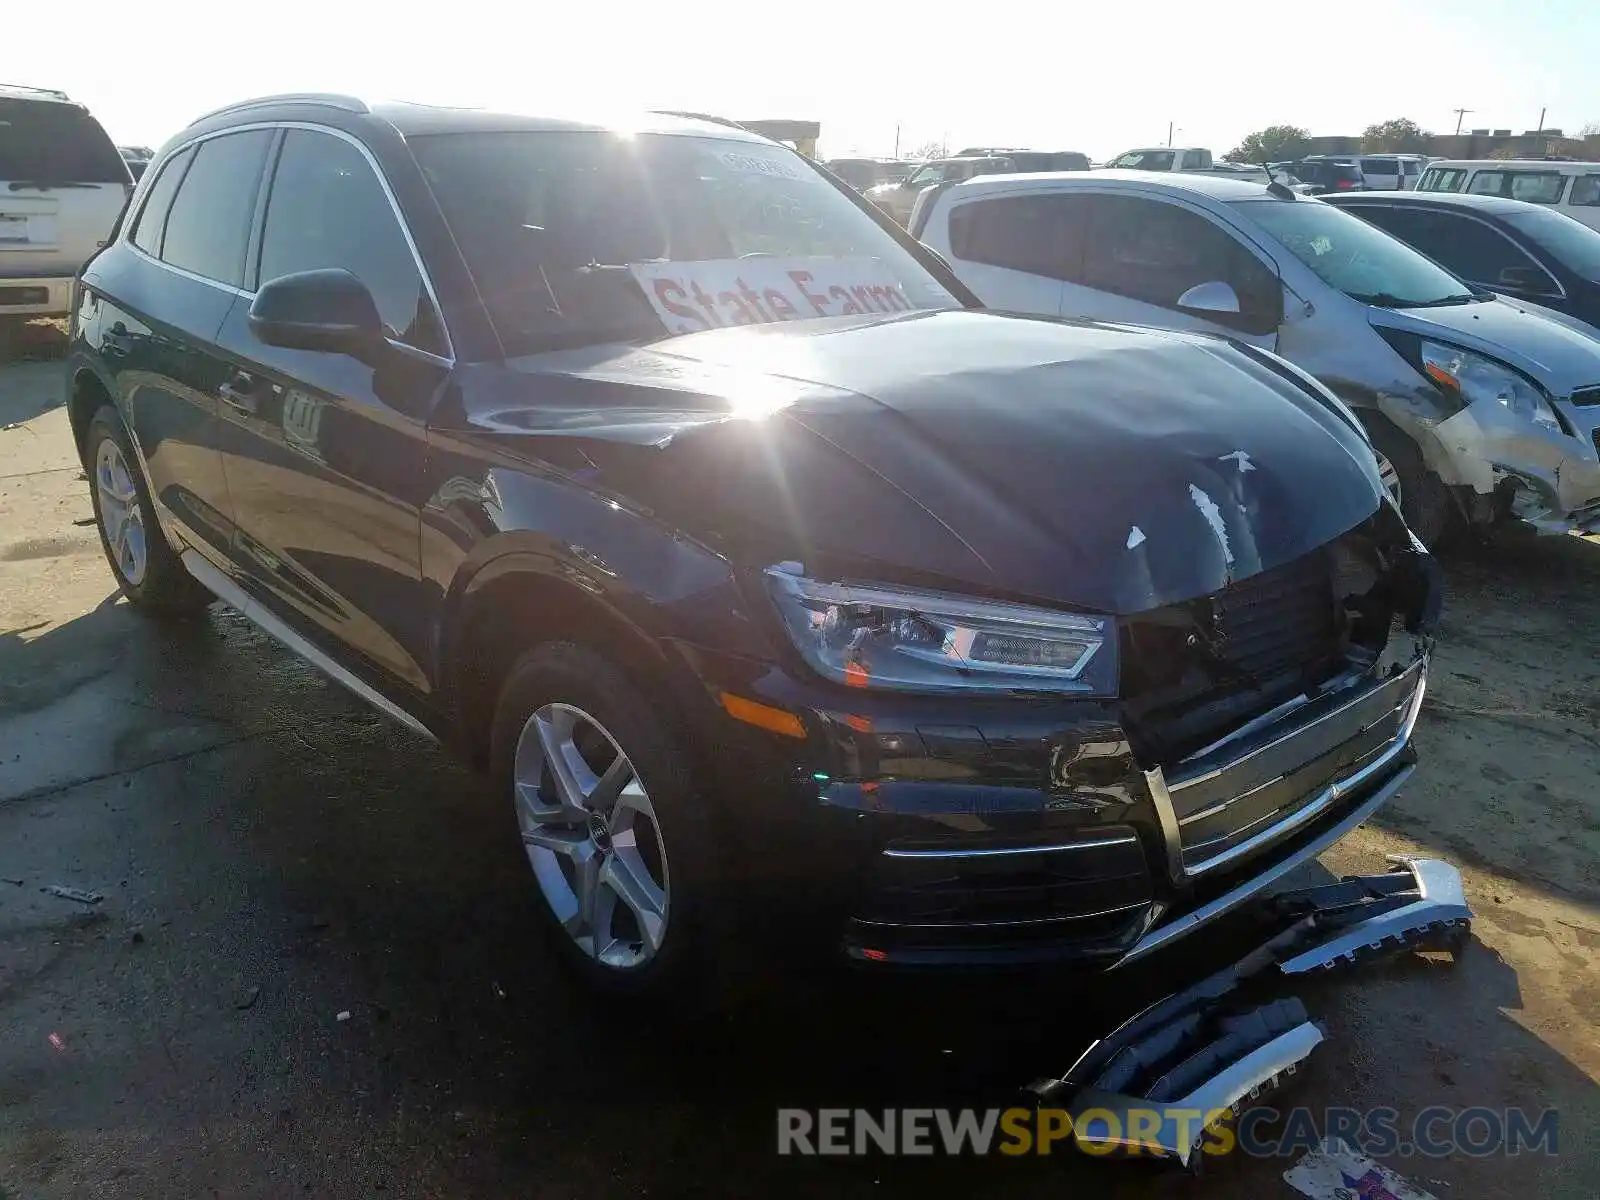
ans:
(1212, 297)
(327, 310)
(1523, 279)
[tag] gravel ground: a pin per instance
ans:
(272, 854)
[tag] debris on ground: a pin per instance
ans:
(344, 1015)
(1336, 1171)
(71, 893)
(247, 998)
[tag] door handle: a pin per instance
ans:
(239, 393)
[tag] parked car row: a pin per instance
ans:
(1483, 407)
(767, 572)
(62, 184)
(1572, 188)
(899, 200)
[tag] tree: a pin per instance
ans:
(1401, 135)
(1272, 144)
(932, 149)
(1592, 129)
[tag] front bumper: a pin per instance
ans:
(943, 832)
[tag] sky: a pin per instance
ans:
(1059, 76)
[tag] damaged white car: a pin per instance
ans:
(1481, 408)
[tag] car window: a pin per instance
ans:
(153, 216)
(1043, 235)
(1534, 187)
(1442, 179)
(1585, 191)
(929, 175)
(1466, 246)
(1145, 160)
(327, 209)
(209, 221)
(1155, 252)
(575, 238)
(1381, 166)
(1572, 243)
(47, 141)
(1354, 257)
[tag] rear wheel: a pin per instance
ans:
(146, 569)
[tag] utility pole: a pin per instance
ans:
(1169, 134)
(897, 139)
(1461, 112)
(1541, 120)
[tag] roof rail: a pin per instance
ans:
(330, 99)
(696, 116)
(53, 93)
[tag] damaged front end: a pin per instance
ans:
(1156, 1083)
(1506, 445)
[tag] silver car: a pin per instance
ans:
(1480, 407)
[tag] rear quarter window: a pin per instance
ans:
(152, 220)
(49, 141)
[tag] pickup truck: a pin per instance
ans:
(1190, 159)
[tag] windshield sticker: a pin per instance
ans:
(717, 293)
(752, 164)
(1321, 245)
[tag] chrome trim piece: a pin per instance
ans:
(1441, 902)
(1206, 913)
(252, 610)
(1004, 851)
(1240, 1080)
(166, 266)
(1329, 795)
(383, 182)
(1177, 785)
(1029, 921)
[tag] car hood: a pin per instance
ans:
(1112, 468)
(1560, 352)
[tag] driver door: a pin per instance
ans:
(1152, 261)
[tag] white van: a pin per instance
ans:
(1569, 187)
(62, 187)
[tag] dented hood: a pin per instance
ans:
(1105, 467)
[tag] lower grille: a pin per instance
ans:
(1198, 670)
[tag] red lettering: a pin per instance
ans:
(782, 310)
(665, 289)
(820, 303)
(849, 308)
(741, 311)
(704, 300)
(863, 295)
(752, 301)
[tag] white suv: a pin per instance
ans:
(62, 186)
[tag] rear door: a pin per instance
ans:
(163, 296)
(326, 454)
(1016, 252)
(1142, 255)
(62, 186)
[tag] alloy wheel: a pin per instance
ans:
(591, 837)
(121, 517)
(1389, 476)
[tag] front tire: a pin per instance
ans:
(610, 822)
(1424, 500)
(146, 569)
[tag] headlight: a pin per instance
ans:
(904, 640)
(1472, 377)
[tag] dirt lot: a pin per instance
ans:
(272, 854)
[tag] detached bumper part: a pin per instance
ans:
(1206, 1049)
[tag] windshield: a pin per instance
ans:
(1358, 259)
(1573, 243)
(575, 238)
(1145, 160)
(44, 141)
(929, 175)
